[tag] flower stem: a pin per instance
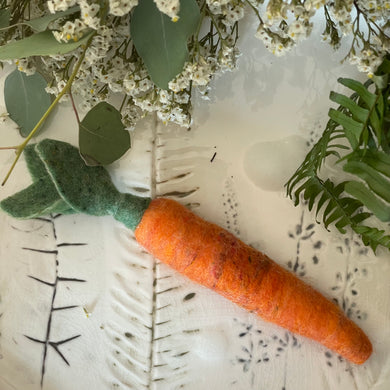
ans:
(255, 10)
(74, 107)
(20, 148)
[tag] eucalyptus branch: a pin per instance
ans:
(20, 148)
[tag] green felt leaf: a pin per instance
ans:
(39, 44)
(26, 99)
(34, 163)
(62, 183)
(87, 189)
(102, 136)
(5, 15)
(41, 24)
(40, 198)
(162, 43)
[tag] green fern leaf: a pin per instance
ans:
(368, 97)
(377, 206)
(358, 113)
(357, 134)
(376, 159)
(375, 180)
(353, 129)
(373, 237)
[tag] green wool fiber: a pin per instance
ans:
(62, 183)
(35, 165)
(40, 198)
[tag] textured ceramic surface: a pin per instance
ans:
(82, 306)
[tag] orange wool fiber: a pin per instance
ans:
(213, 257)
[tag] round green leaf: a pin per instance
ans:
(26, 99)
(102, 136)
(162, 43)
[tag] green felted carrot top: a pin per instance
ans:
(62, 183)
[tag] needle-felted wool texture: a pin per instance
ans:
(62, 183)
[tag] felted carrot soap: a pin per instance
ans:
(200, 250)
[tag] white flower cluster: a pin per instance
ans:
(75, 29)
(285, 23)
(169, 7)
(121, 7)
(367, 61)
(378, 10)
(26, 65)
(59, 5)
(108, 69)
(111, 66)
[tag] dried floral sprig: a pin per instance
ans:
(113, 63)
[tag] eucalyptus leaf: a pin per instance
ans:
(26, 99)
(162, 43)
(102, 136)
(39, 44)
(41, 24)
(5, 15)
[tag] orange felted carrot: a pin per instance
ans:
(213, 257)
(202, 251)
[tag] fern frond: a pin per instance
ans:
(357, 134)
(372, 236)
(335, 208)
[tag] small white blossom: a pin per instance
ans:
(233, 15)
(163, 96)
(88, 14)
(121, 7)
(145, 104)
(26, 66)
(170, 8)
(59, 5)
(71, 31)
(299, 30)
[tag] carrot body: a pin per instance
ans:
(211, 256)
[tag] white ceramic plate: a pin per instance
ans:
(82, 306)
